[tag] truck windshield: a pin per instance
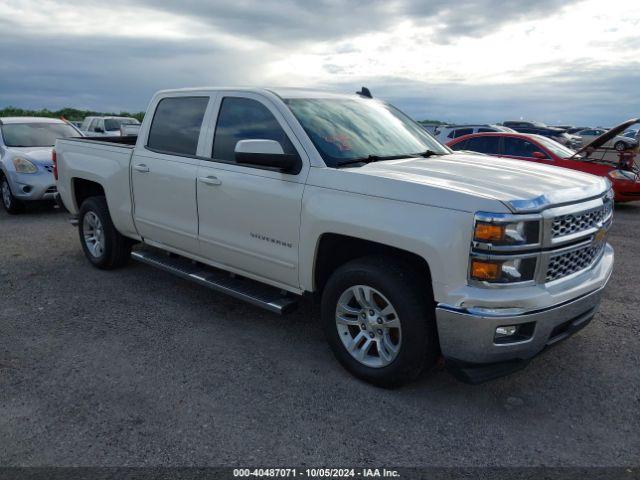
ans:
(345, 130)
(111, 124)
(36, 134)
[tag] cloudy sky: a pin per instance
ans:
(559, 61)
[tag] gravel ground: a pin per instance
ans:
(135, 367)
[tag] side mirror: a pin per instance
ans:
(266, 153)
(539, 156)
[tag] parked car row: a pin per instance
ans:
(571, 137)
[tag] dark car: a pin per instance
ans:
(539, 128)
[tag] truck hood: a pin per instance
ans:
(521, 185)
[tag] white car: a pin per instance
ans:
(619, 142)
(412, 250)
(448, 132)
(26, 168)
(106, 126)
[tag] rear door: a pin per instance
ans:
(164, 170)
(249, 216)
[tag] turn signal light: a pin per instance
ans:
(483, 270)
(488, 232)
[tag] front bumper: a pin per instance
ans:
(467, 340)
(32, 186)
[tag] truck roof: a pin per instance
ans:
(30, 120)
(283, 92)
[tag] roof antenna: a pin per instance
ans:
(365, 92)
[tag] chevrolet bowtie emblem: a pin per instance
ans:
(599, 236)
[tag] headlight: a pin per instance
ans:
(622, 175)
(22, 165)
(492, 230)
(508, 270)
(502, 248)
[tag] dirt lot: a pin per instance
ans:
(135, 367)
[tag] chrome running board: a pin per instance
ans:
(256, 293)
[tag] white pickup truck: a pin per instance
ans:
(413, 251)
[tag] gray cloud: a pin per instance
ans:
(280, 21)
(110, 74)
(582, 94)
(113, 72)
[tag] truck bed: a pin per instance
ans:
(103, 162)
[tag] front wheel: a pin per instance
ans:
(620, 146)
(379, 321)
(10, 203)
(103, 245)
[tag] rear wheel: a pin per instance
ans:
(10, 203)
(379, 322)
(103, 245)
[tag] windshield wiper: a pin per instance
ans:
(427, 154)
(375, 158)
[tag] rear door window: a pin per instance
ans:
(488, 145)
(518, 147)
(176, 125)
(460, 145)
(245, 119)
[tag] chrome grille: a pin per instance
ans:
(565, 264)
(579, 222)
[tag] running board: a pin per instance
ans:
(258, 294)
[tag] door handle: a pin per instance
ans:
(211, 180)
(141, 167)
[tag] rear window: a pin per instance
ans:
(461, 132)
(111, 124)
(176, 125)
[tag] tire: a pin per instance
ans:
(620, 146)
(10, 203)
(108, 249)
(390, 282)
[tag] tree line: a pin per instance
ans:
(71, 114)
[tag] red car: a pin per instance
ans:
(535, 148)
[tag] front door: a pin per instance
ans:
(250, 217)
(163, 174)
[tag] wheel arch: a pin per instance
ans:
(83, 189)
(334, 250)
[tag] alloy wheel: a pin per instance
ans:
(368, 326)
(93, 231)
(6, 194)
